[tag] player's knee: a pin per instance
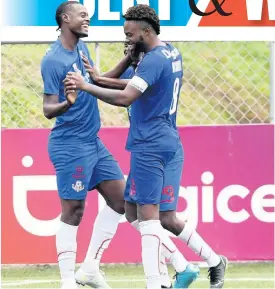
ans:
(168, 220)
(130, 217)
(118, 207)
(130, 212)
(72, 212)
(78, 214)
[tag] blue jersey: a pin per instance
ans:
(128, 73)
(81, 122)
(153, 114)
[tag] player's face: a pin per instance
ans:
(134, 35)
(79, 21)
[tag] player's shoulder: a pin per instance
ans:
(169, 52)
(161, 54)
(53, 55)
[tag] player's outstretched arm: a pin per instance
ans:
(111, 82)
(113, 73)
(103, 80)
(115, 97)
(119, 68)
(52, 108)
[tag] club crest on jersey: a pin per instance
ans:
(78, 186)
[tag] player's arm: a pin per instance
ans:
(148, 73)
(119, 68)
(113, 73)
(111, 82)
(52, 79)
(102, 80)
(125, 98)
(52, 107)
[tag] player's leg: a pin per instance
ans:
(108, 179)
(186, 273)
(131, 216)
(147, 181)
(72, 175)
(182, 230)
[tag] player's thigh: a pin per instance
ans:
(108, 178)
(73, 164)
(147, 176)
(106, 168)
(171, 185)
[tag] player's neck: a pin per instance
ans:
(68, 40)
(153, 43)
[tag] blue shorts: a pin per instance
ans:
(155, 179)
(81, 167)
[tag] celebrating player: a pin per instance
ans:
(81, 160)
(186, 273)
(168, 215)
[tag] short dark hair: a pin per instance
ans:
(62, 8)
(142, 12)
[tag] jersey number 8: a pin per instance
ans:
(176, 89)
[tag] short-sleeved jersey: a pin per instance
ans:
(81, 122)
(153, 115)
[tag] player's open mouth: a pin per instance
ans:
(85, 26)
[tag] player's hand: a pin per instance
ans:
(94, 74)
(74, 81)
(71, 94)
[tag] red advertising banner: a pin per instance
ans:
(227, 192)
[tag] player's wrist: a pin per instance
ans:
(85, 87)
(68, 103)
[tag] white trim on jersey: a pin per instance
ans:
(138, 83)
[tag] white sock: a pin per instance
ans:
(171, 252)
(199, 246)
(105, 227)
(164, 276)
(66, 250)
(151, 232)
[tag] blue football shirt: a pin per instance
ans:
(81, 122)
(153, 115)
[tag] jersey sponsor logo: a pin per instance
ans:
(171, 54)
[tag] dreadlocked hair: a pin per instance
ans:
(62, 8)
(142, 12)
